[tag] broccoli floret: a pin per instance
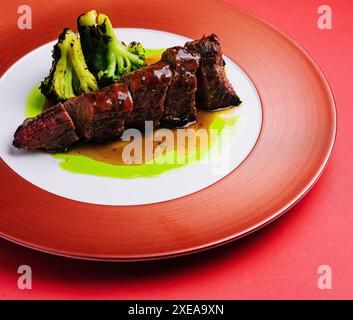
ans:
(91, 41)
(107, 57)
(69, 75)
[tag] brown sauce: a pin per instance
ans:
(153, 58)
(111, 152)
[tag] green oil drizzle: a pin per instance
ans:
(85, 165)
(152, 52)
(34, 102)
(81, 164)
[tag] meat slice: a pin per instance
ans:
(148, 87)
(213, 88)
(180, 106)
(101, 115)
(52, 130)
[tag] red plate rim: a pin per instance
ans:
(236, 235)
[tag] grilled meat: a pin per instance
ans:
(163, 92)
(214, 91)
(101, 115)
(148, 87)
(180, 106)
(52, 131)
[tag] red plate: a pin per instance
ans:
(297, 136)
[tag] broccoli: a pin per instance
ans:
(69, 75)
(107, 57)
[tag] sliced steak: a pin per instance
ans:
(52, 130)
(180, 106)
(148, 87)
(101, 115)
(213, 88)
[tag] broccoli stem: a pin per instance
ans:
(115, 45)
(86, 79)
(63, 74)
(111, 64)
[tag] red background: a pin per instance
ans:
(278, 262)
